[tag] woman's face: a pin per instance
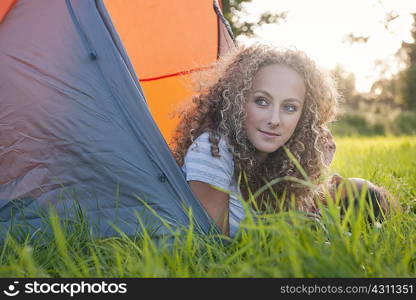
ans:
(273, 108)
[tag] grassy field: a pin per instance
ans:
(279, 245)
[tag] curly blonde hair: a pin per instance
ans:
(219, 109)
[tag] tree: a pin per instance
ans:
(397, 88)
(409, 84)
(232, 10)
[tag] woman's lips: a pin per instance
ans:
(269, 134)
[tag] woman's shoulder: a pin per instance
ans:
(202, 138)
(202, 144)
(201, 165)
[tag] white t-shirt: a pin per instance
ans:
(200, 165)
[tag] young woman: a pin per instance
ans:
(230, 142)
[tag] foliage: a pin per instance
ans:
(232, 10)
(359, 124)
(384, 109)
(409, 89)
(276, 245)
(355, 125)
(409, 93)
(406, 123)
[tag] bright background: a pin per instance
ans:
(321, 27)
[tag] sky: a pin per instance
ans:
(319, 28)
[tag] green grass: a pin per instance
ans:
(278, 245)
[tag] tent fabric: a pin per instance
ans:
(164, 75)
(75, 128)
(5, 6)
(189, 48)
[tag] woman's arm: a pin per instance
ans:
(215, 203)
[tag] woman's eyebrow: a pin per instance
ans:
(270, 96)
(293, 100)
(264, 92)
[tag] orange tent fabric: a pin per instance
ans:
(166, 40)
(5, 6)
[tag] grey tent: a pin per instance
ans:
(75, 128)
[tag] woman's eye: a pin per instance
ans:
(261, 101)
(291, 108)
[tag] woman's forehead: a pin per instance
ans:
(279, 80)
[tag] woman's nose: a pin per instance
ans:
(274, 119)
